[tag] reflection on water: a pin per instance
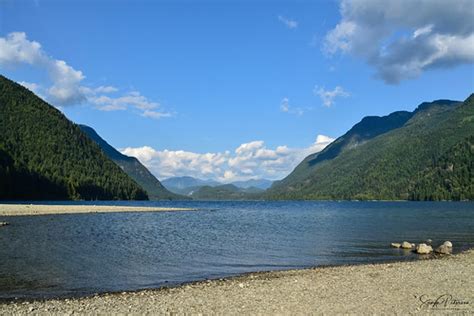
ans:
(80, 254)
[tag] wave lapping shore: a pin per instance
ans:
(37, 209)
(440, 286)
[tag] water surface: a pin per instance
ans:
(82, 254)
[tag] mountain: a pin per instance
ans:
(189, 185)
(256, 183)
(368, 128)
(226, 192)
(178, 183)
(44, 156)
(133, 168)
(393, 157)
(449, 177)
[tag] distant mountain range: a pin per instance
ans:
(256, 183)
(225, 192)
(179, 183)
(422, 155)
(133, 168)
(187, 182)
(210, 189)
(44, 156)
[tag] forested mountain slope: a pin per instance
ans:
(133, 168)
(44, 156)
(387, 159)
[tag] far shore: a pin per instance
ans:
(39, 209)
(439, 286)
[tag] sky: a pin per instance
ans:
(233, 90)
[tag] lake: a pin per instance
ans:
(82, 254)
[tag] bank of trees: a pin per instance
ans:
(45, 156)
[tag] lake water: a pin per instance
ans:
(82, 254)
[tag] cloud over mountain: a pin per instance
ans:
(249, 160)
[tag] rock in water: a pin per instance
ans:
(395, 245)
(3, 224)
(429, 241)
(406, 245)
(443, 249)
(448, 244)
(423, 249)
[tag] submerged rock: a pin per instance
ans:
(444, 250)
(429, 241)
(448, 244)
(406, 245)
(423, 249)
(395, 245)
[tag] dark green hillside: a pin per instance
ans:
(368, 128)
(133, 168)
(385, 164)
(226, 192)
(45, 156)
(451, 177)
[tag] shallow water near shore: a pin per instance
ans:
(81, 254)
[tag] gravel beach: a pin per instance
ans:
(438, 286)
(37, 209)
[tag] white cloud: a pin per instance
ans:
(291, 24)
(67, 86)
(105, 89)
(403, 38)
(285, 107)
(328, 96)
(423, 30)
(131, 99)
(155, 114)
(248, 161)
(16, 49)
(30, 86)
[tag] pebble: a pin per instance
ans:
(268, 297)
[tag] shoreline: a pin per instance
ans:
(54, 209)
(402, 287)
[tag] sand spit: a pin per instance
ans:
(36, 209)
(440, 286)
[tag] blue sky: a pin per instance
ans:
(207, 77)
